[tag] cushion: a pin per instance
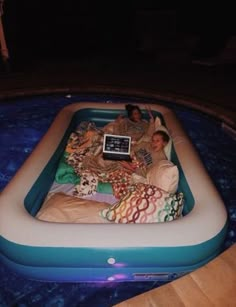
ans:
(63, 208)
(145, 204)
(164, 175)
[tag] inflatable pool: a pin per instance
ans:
(108, 252)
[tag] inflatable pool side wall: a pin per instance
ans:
(107, 251)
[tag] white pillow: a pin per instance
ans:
(164, 175)
(62, 208)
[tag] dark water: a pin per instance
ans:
(22, 124)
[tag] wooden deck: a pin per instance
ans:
(212, 285)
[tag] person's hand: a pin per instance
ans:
(149, 113)
(128, 166)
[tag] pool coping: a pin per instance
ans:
(228, 117)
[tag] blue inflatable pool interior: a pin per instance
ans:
(24, 121)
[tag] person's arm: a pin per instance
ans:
(151, 127)
(151, 117)
(136, 168)
(129, 166)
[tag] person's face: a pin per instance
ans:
(136, 116)
(157, 142)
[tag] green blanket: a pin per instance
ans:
(65, 173)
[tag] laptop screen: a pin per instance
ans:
(117, 144)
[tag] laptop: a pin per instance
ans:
(116, 147)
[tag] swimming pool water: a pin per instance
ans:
(24, 121)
